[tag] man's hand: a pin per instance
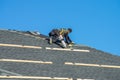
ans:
(71, 44)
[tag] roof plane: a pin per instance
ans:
(28, 56)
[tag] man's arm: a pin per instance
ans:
(67, 38)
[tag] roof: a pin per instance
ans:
(25, 55)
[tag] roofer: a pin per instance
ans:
(60, 35)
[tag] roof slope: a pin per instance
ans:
(30, 56)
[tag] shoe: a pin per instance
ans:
(50, 41)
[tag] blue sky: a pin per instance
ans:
(95, 23)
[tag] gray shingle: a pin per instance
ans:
(58, 68)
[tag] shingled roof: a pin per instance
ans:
(26, 56)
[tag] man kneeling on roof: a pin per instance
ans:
(60, 35)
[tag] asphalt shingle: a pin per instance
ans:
(58, 68)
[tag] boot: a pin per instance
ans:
(50, 40)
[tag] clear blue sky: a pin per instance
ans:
(95, 23)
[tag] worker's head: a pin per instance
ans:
(70, 30)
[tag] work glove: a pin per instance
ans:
(72, 43)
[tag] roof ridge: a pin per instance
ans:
(24, 33)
